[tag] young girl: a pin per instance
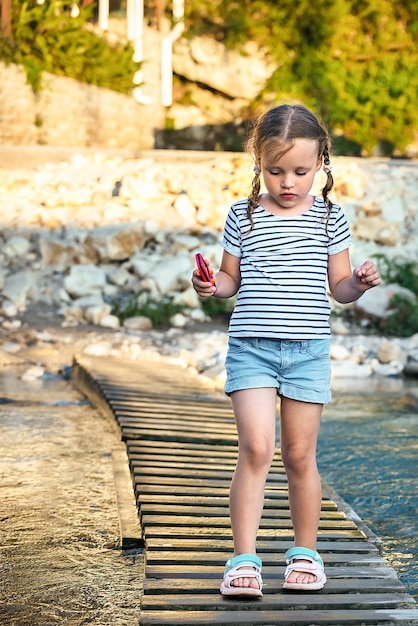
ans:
(280, 248)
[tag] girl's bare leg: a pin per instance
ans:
(299, 427)
(255, 413)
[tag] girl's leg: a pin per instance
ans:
(299, 427)
(255, 413)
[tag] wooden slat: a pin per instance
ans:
(181, 443)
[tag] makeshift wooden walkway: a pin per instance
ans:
(181, 444)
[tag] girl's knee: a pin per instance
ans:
(257, 453)
(298, 460)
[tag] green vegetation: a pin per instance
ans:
(403, 320)
(218, 307)
(352, 61)
(142, 305)
(47, 38)
(161, 312)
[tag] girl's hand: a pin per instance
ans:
(367, 274)
(203, 288)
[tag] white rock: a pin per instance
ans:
(339, 353)
(185, 208)
(11, 325)
(172, 273)
(388, 351)
(34, 372)
(139, 322)
(377, 301)
(179, 320)
(348, 369)
(11, 347)
(395, 368)
(109, 321)
(95, 314)
(16, 246)
(85, 279)
(20, 287)
(117, 243)
(102, 348)
(7, 308)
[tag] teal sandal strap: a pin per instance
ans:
(300, 553)
(243, 559)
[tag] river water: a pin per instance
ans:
(368, 452)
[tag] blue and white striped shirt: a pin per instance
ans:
(284, 263)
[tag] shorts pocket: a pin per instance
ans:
(318, 348)
(235, 345)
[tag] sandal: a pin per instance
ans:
(241, 566)
(315, 567)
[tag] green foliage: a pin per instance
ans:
(46, 38)
(352, 61)
(158, 312)
(403, 322)
(403, 319)
(218, 307)
(399, 270)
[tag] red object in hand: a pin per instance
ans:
(203, 269)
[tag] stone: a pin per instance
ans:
(349, 369)
(388, 351)
(339, 353)
(109, 321)
(139, 322)
(376, 302)
(206, 61)
(85, 279)
(19, 287)
(16, 246)
(116, 243)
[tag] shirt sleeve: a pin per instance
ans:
(339, 231)
(231, 240)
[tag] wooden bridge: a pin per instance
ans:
(181, 444)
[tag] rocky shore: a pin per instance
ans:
(83, 233)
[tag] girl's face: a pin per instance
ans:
(289, 177)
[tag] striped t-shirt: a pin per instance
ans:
(284, 264)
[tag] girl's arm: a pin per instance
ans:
(347, 285)
(227, 279)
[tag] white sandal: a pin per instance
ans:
(315, 566)
(242, 566)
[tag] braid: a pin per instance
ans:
(253, 197)
(329, 184)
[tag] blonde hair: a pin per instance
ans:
(277, 129)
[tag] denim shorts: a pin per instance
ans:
(300, 370)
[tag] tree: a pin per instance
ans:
(352, 61)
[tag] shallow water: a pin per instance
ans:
(368, 452)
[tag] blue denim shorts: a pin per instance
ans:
(300, 370)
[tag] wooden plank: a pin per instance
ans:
(276, 559)
(379, 617)
(201, 510)
(190, 521)
(209, 501)
(211, 474)
(270, 602)
(160, 446)
(168, 435)
(203, 570)
(201, 586)
(219, 533)
(266, 546)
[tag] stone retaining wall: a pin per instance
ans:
(69, 113)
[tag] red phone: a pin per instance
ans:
(203, 269)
